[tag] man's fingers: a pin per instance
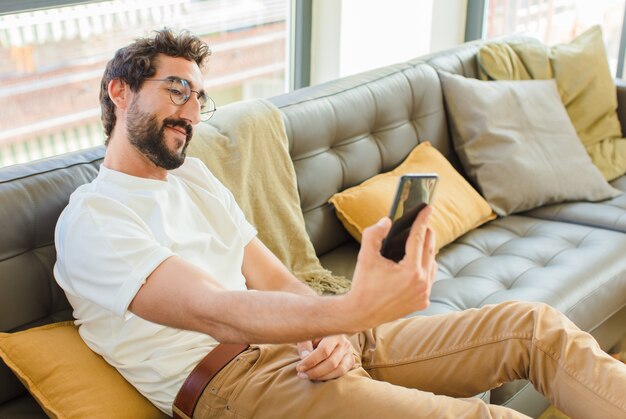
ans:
(428, 256)
(317, 356)
(332, 363)
(433, 272)
(304, 348)
(347, 363)
(414, 248)
(374, 235)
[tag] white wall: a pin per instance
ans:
(380, 32)
(350, 36)
(325, 36)
(448, 24)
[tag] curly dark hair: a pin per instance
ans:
(136, 62)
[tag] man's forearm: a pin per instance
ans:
(263, 271)
(195, 301)
(295, 286)
(276, 317)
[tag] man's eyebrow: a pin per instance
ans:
(189, 82)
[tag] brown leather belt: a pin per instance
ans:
(199, 378)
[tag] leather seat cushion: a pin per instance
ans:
(609, 214)
(580, 270)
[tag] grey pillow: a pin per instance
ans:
(518, 145)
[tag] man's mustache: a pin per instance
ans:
(173, 122)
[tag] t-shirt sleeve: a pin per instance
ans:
(105, 252)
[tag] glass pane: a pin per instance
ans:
(51, 62)
(557, 21)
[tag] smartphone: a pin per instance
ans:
(415, 191)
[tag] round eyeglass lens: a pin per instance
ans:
(208, 109)
(179, 91)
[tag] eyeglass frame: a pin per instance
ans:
(186, 97)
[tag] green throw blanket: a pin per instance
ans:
(245, 146)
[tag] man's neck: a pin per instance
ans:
(121, 156)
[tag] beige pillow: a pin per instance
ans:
(458, 208)
(518, 145)
(584, 82)
(67, 379)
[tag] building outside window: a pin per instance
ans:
(52, 60)
(557, 21)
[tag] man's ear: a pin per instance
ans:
(119, 92)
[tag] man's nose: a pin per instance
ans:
(190, 110)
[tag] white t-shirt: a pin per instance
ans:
(114, 232)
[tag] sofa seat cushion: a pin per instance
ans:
(579, 270)
(609, 214)
(342, 259)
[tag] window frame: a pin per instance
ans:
(475, 20)
(18, 6)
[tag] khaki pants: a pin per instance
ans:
(428, 367)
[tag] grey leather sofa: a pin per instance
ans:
(570, 256)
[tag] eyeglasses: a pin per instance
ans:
(180, 92)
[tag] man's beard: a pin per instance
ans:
(146, 136)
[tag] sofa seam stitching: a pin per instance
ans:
(51, 170)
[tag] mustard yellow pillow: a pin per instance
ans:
(585, 84)
(67, 379)
(458, 208)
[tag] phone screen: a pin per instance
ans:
(414, 192)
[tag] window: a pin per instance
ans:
(557, 21)
(51, 63)
(350, 36)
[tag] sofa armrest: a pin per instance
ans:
(620, 85)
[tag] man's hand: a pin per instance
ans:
(325, 359)
(383, 290)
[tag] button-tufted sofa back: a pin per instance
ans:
(461, 60)
(344, 132)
